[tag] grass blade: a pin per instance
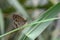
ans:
(1, 24)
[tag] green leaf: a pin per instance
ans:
(1, 24)
(28, 25)
(39, 28)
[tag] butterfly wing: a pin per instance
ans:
(16, 21)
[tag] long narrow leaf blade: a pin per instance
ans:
(1, 24)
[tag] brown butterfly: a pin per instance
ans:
(16, 21)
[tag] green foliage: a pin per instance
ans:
(33, 29)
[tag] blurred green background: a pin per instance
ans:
(32, 10)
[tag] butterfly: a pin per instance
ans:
(15, 21)
(18, 20)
